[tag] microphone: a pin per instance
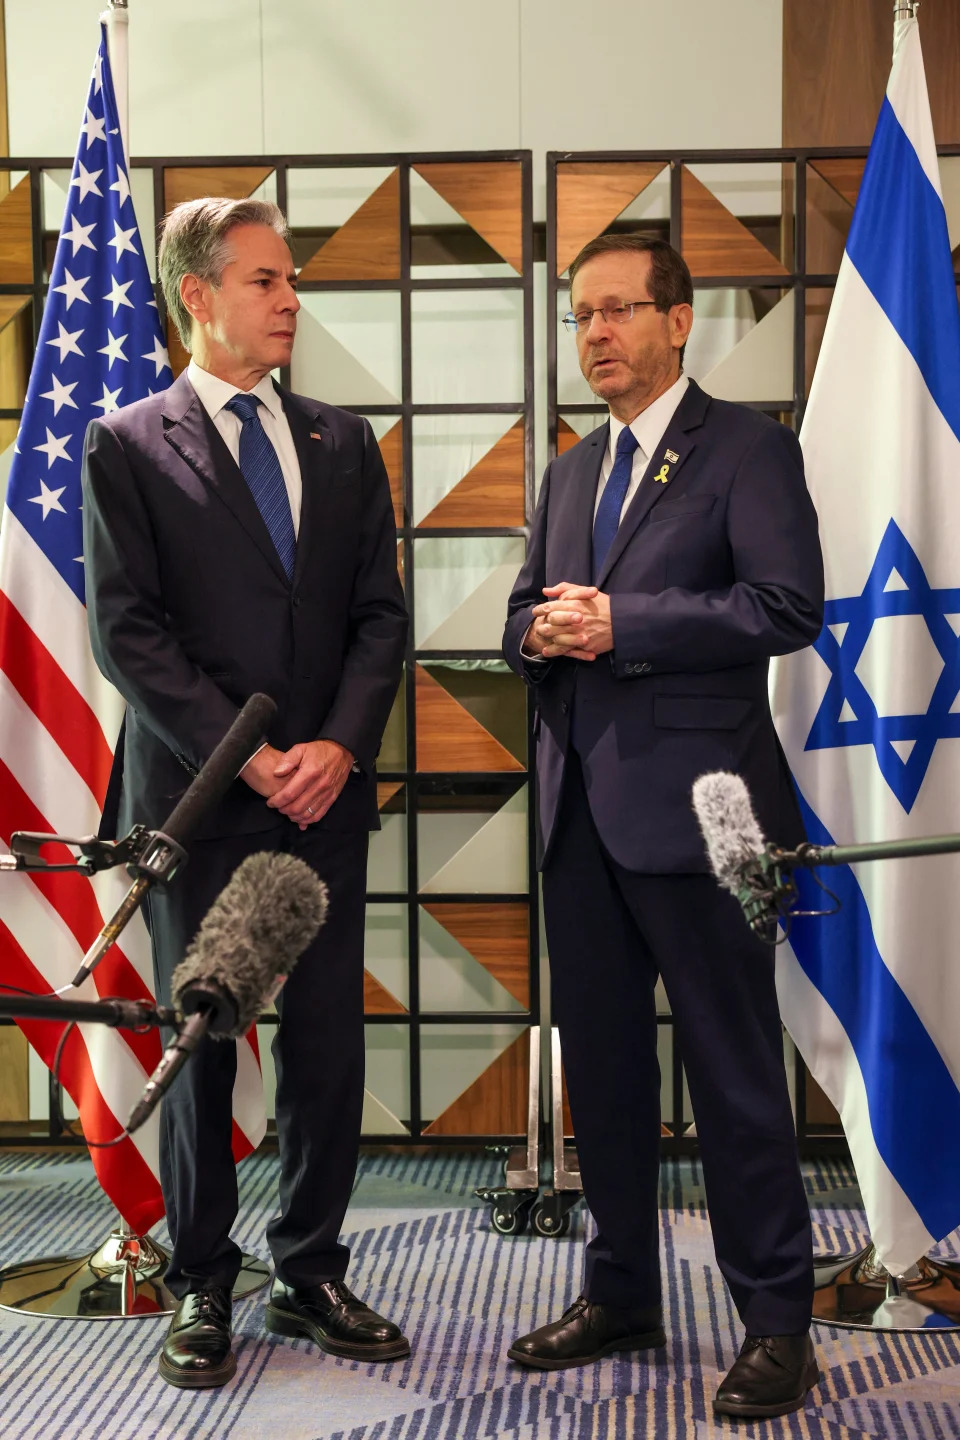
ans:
(738, 854)
(164, 852)
(247, 944)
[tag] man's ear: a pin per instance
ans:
(194, 293)
(681, 323)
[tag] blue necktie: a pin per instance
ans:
(607, 521)
(260, 467)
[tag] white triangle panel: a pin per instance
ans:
(494, 860)
(760, 367)
(377, 1119)
(325, 370)
(477, 624)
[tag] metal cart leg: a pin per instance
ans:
(512, 1201)
(551, 1212)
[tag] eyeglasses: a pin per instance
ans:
(613, 314)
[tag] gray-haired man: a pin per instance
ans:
(239, 539)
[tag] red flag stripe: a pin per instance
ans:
(54, 699)
(122, 1171)
(74, 900)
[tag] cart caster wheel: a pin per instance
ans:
(508, 1222)
(548, 1224)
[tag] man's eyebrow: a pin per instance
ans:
(275, 274)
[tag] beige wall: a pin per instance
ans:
(224, 77)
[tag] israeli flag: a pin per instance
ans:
(869, 716)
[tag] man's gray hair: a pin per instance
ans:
(195, 241)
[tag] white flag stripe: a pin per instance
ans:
(42, 769)
(907, 93)
(248, 1110)
(34, 586)
(824, 1044)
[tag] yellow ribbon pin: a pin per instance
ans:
(664, 475)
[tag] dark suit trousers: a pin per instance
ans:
(319, 1055)
(610, 933)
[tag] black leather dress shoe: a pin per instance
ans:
(586, 1332)
(771, 1376)
(335, 1320)
(196, 1354)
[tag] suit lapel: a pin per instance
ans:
(315, 449)
(680, 439)
(191, 432)
(579, 566)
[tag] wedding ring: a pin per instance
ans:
(309, 809)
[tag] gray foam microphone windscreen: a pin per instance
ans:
(253, 934)
(730, 829)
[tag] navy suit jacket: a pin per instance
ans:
(710, 574)
(191, 612)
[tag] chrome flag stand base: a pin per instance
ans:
(857, 1293)
(122, 1280)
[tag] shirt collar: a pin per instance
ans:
(214, 393)
(649, 426)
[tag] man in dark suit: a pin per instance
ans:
(677, 550)
(239, 538)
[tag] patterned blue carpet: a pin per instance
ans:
(425, 1255)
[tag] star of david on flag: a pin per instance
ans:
(869, 717)
(100, 347)
(904, 743)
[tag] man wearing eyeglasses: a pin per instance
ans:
(674, 551)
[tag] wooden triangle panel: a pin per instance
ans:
(497, 935)
(367, 246)
(567, 437)
(377, 999)
(714, 240)
(844, 175)
(496, 1102)
(235, 181)
(590, 196)
(491, 492)
(386, 789)
(16, 243)
(489, 196)
(10, 307)
(391, 448)
(449, 738)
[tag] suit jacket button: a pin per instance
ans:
(564, 707)
(644, 668)
(628, 669)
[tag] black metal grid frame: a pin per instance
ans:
(812, 1138)
(414, 783)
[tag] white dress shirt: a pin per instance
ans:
(649, 429)
(214, 393)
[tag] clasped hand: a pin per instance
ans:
(302, 782)
(574, 621)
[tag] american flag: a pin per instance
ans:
(100, 348)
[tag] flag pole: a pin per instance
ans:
(117, 19)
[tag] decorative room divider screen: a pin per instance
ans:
(416, 282)
(417, 278)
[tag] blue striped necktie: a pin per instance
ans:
(260, 467)
(607, 521)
